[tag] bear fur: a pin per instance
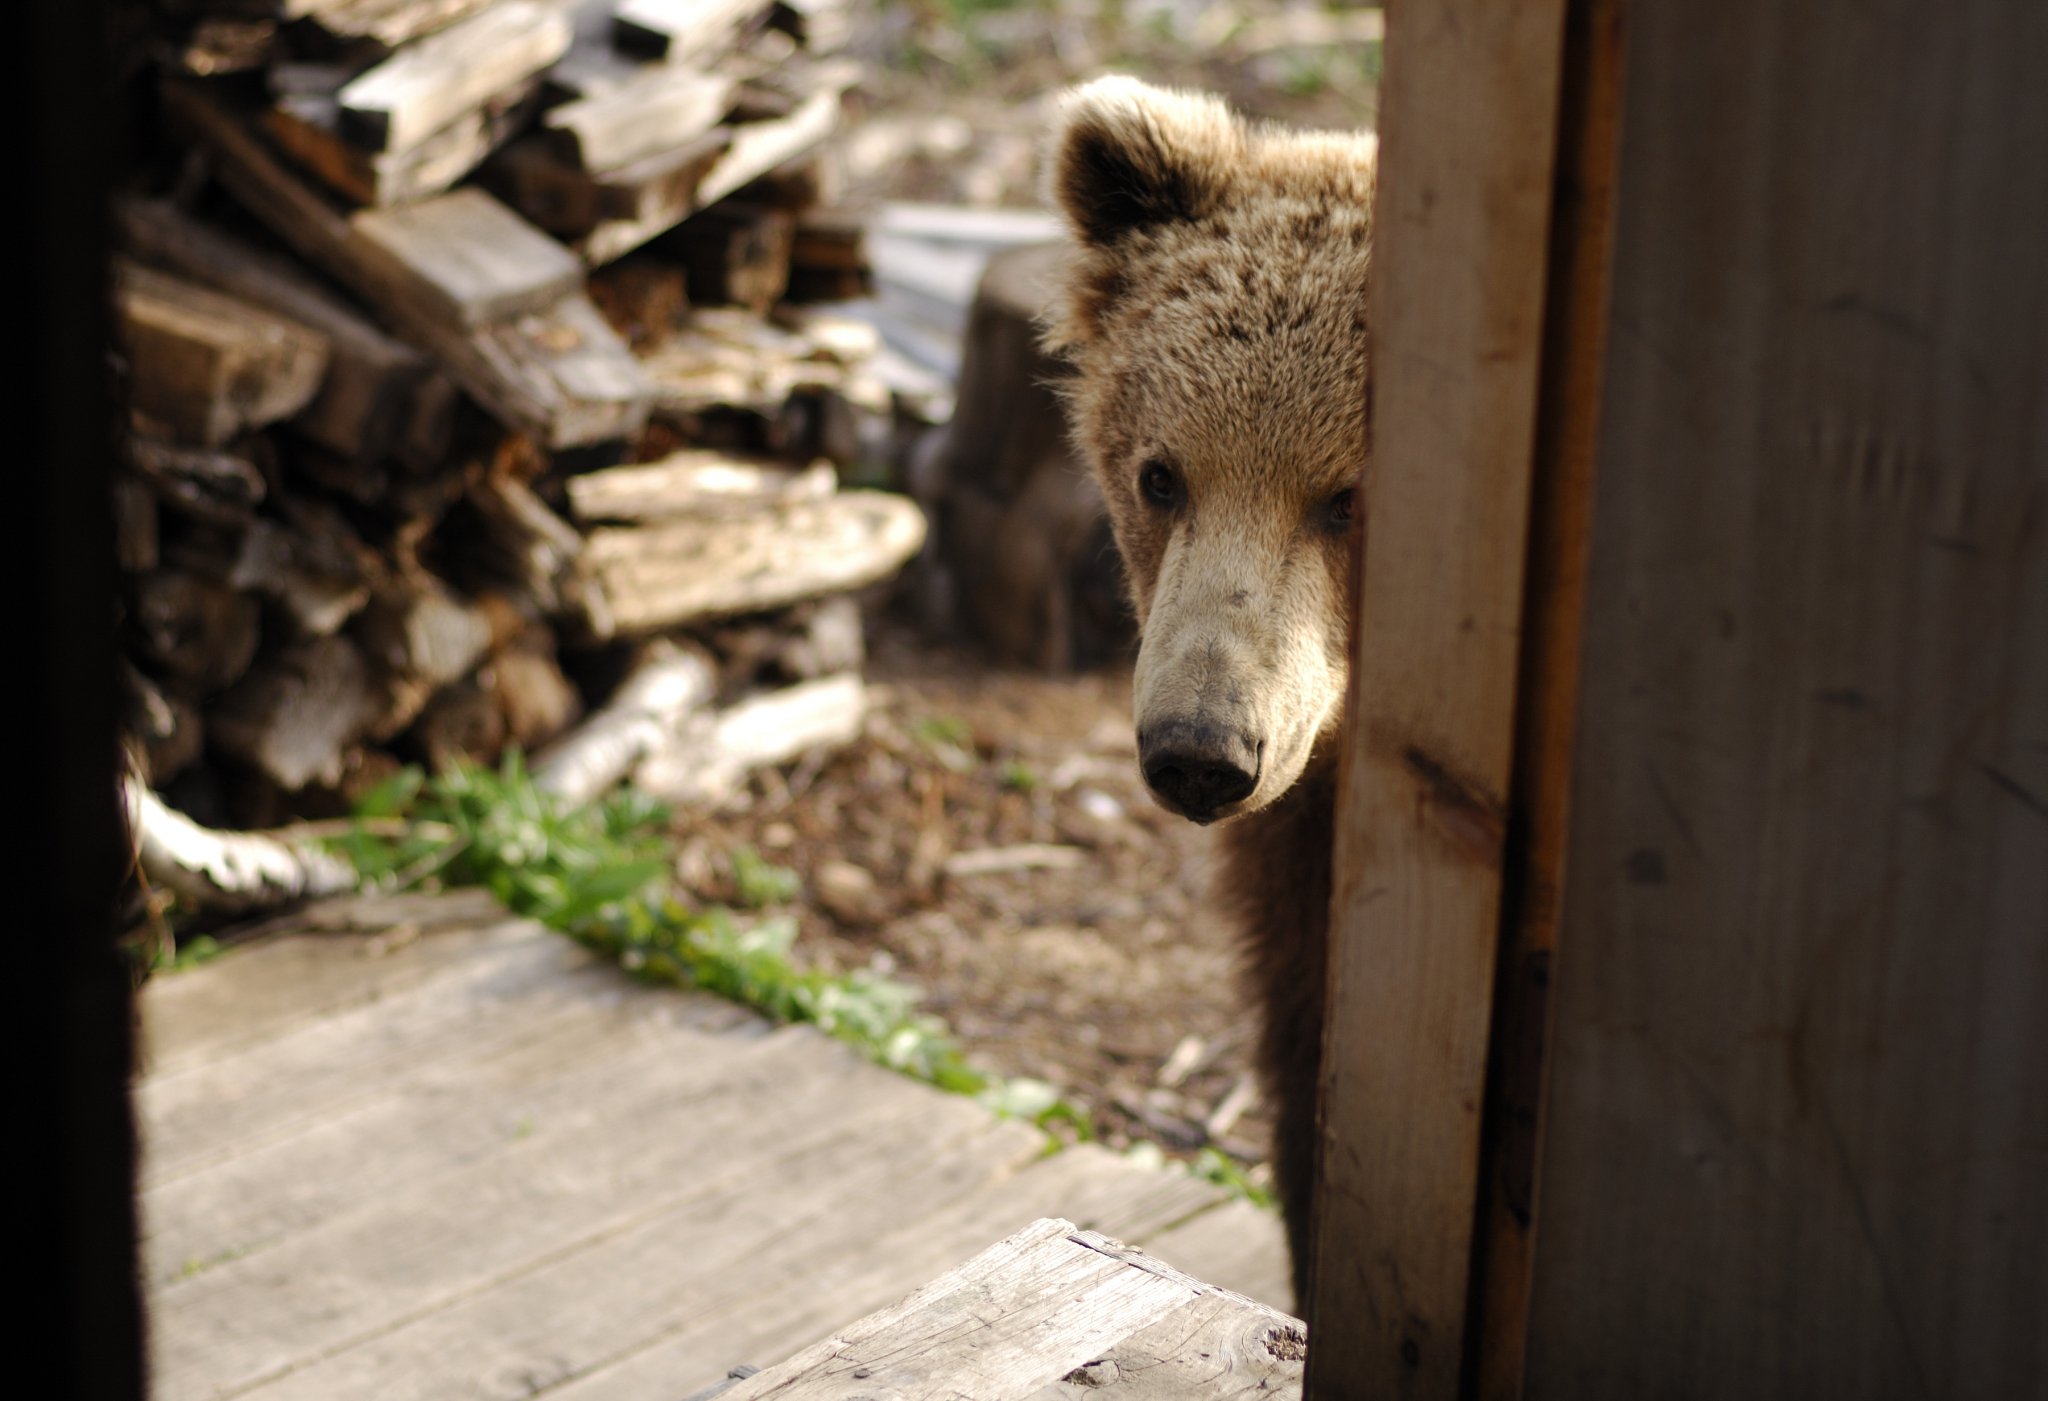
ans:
(1215, 319)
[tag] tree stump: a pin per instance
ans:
(1024, 532)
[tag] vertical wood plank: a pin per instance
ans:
(1560, 524)
(1797, 1127)
(1468, 122)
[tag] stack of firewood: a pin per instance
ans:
(481, 388)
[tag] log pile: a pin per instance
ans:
(482, 392)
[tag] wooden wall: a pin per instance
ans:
(1752, 773)
(1797, 1132)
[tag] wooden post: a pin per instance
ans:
(1469, 137)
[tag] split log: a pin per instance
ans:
(675, 30)
(219, 488)
(539, 553)
(464, 258)
(374, 384)
(294, 716)
(828, 257)
(387, 24)
(307, 127)
(697, 482)
(666, 685)
(208, 366)
(165, 727)
(735, 254)
(311, 564)
(201, 632)
(538, 702)
(664, 575)
(706, 763)
(229, 872)
(760, 147)
(432, 83)
(799, 644)
(559, 374)
(657, 110)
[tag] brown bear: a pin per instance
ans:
(1214, 316)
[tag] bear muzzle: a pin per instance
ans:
(1197, 769)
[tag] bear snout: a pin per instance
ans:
(1199, 769)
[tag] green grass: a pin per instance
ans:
(601, 874)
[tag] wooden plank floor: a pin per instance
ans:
(417, 1148)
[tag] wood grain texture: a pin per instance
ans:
(1798, 1117)
(558, 372)
(432, 83)
(1051, 1311)
(662, 574)
(406, 1147)
(1560, 528)
(1468, 126)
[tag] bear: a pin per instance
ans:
(1213, 315)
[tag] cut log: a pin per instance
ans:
(372, 380)
(655, 112)
(828, 257)
(164, 726)
(760, 147)
(539, 553)
(436, 81)
(675, 30)
(668, 682)
(664, 575)
(294, 716)
(387, 24)
(307, 127)
(538, 702)
(465, 258)
(210, 367)
(137, 539)
(696, 482)
(417, 628)
(229, 872)
(735, 254)
(200, 632)
(312, 565)
(560, 374)
(219, 488)
(706, 763)
(797, 644)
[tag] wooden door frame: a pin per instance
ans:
(1499, 136)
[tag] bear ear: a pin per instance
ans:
(1128, 156)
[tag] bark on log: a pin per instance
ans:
(664, 575)
(229, 872)
(706, 763)
(667, 684)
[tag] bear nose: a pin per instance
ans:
(1199, 769)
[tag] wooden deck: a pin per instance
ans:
(417, 1148)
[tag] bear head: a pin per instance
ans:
(1214, 315)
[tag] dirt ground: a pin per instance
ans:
(1088, 956)
(1102, 969)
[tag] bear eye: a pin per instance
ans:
(1342, 507)
(1159, 483)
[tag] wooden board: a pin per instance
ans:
(431, 84)
(465, 258)
(479, 1162)
(1055, 1311)
(1797, 1126)
(1468, 128)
